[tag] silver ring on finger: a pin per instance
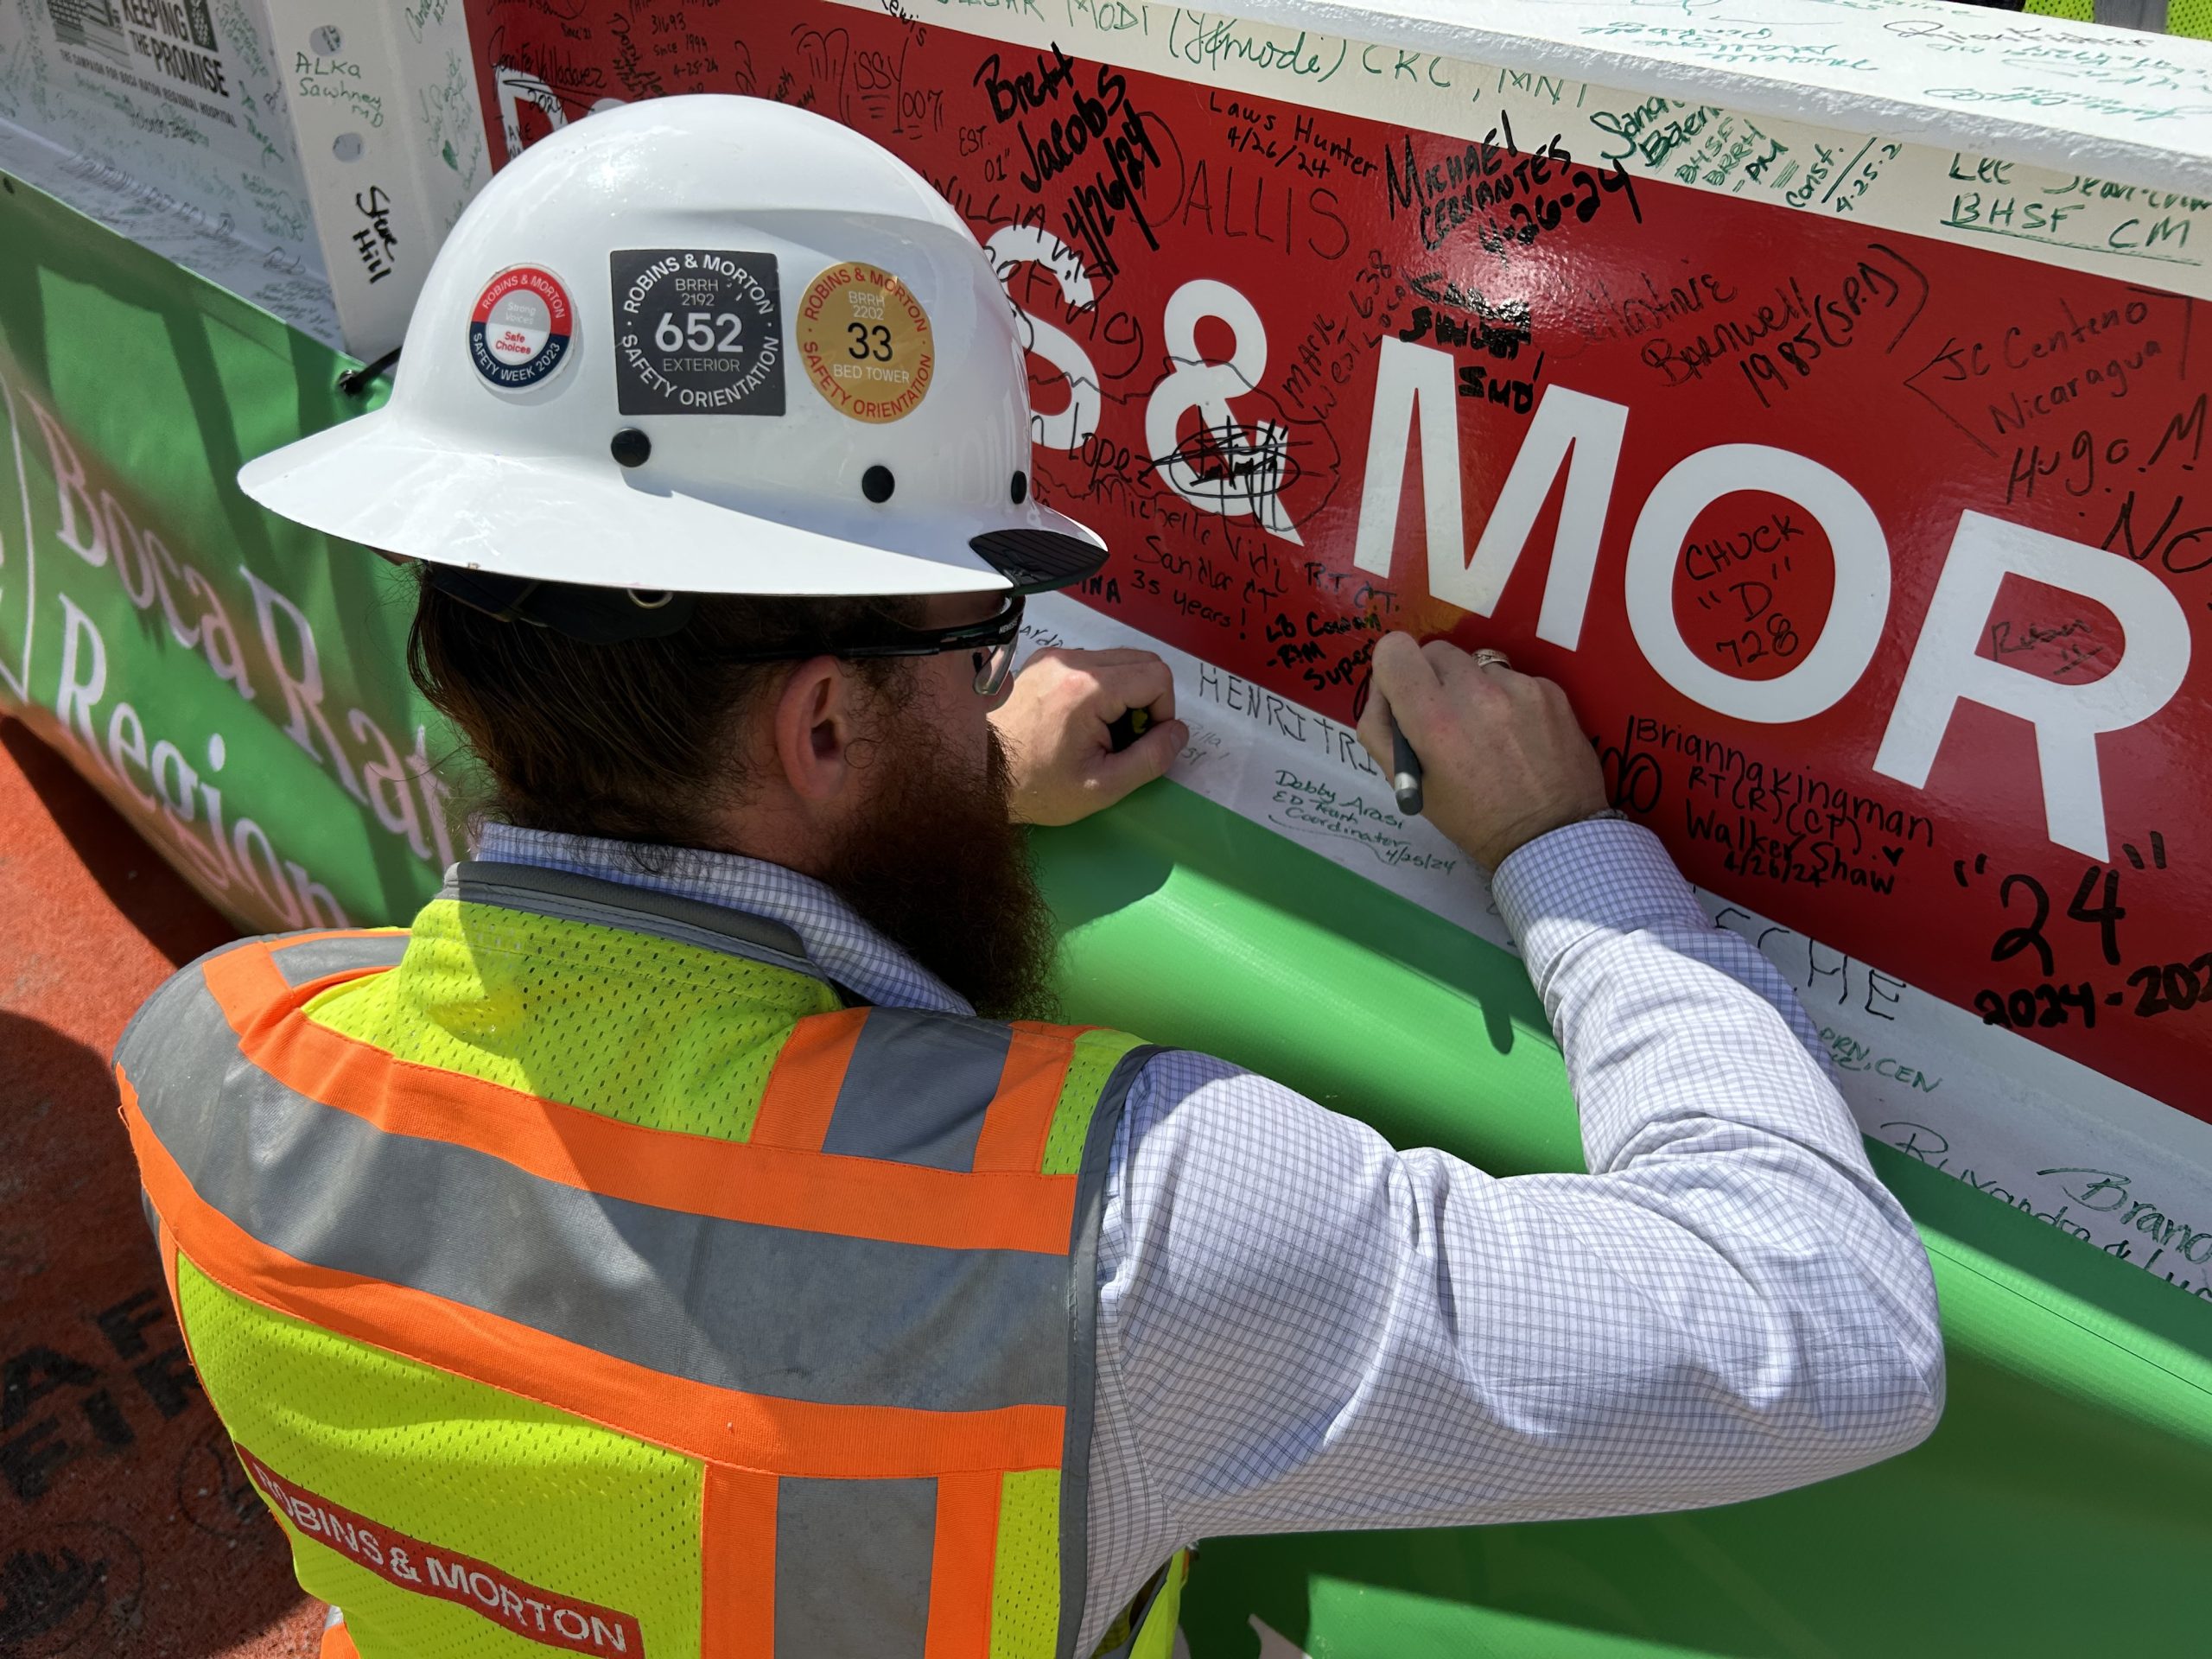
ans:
(1488, 658)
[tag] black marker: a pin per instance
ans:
(1126, 728)
(1405, 771)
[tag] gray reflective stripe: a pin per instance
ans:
(1082, 1340)
(768, 1310)
(301, 962)
(917, 1087)
(128, 1051)
(169, 1042)
(2132, 14)
(568, 897)
(853, 1568)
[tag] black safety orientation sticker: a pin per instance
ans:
(696, 332)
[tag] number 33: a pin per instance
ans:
(861, 332)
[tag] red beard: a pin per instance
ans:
(936, 865)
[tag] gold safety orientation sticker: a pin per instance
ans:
(866, 342)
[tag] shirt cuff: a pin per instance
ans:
(1602, 876)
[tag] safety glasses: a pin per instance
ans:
(990, 642)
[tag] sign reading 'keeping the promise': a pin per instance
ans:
(1877, 563)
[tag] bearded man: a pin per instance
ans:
(690, 1237)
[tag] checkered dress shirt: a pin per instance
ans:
(1301, 1328)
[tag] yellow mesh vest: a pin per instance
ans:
(519, 1527)
(2188, 17)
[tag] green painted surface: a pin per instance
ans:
(268, 661)
(2064, 1505)
(2061, 1508)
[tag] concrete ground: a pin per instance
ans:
(126, 1527)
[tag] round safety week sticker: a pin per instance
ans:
(866, 342)
(520, 330)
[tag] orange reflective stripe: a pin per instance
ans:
(802, 1090)
(775, 1187)
(737, 1565)
(336, 1644)
(255, 961)
(1020, 1114)
(756, 1431)
(247, 985)
(165, 1240)
(961, 1567)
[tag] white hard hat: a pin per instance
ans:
(708, 345)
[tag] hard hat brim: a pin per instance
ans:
(395, 488)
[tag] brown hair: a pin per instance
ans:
(638, 740)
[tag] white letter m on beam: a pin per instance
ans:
(1569, 429)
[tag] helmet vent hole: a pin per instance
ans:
(1020, 491)
(877, 483)
(631, 446)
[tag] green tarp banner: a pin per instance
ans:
(236, 686)
(232, 688)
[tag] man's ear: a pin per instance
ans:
(816, 726)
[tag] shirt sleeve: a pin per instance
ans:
(1301, 1328)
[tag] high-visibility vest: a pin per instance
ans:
(574, 1270)
(2192, 17)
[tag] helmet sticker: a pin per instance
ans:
(696, 332)
(866, 342)
(520, 330)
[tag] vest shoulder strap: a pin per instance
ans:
(178, 1008)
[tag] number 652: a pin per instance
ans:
(698, 331)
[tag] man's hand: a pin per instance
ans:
(1502, 758)
(1054, 724)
